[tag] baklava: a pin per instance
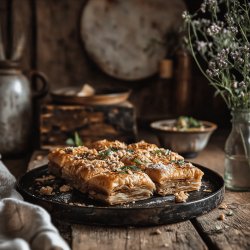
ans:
(116, 173)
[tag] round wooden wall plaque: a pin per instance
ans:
(127, 38)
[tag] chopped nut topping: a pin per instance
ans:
(68, 150)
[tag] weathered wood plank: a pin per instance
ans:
(234, 231)
(231, 233)
(177, 236)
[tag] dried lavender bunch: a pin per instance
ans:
(221, 38)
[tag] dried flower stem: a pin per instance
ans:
(223, 43)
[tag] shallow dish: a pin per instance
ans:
(104, 96)
(185, 142)
(75, 207)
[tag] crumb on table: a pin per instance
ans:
(223, 206)
(221, 217)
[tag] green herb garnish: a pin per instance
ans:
(105, 153)
(76, 141)
(168, 152)
(186, 122)
(137, 161)
(125, 169)
(130, 150)
(162, 151)
(179, 162)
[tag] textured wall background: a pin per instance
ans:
(52, 28)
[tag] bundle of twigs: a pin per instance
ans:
(16, 49)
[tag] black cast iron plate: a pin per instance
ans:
(75, 207)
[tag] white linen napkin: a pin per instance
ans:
(24, 226)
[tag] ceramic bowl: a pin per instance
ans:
(187, 143)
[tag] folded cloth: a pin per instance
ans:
(24, 226)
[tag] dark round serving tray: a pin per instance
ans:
(75, 207)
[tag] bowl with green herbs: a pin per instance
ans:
(185, 135)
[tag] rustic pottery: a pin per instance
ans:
(237, 149)
(16, 108)
(187, 143)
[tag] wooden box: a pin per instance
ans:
(60, 122)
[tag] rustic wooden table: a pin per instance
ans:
(204, 232)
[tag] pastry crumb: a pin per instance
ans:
(39, 157)
(223, 206)
(45, 178)
(181, 196)
(207, 190)
(64, 188)
(46, 190)
(156, 232)
(221, 217)
(229, 213)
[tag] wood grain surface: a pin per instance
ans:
(233, 232)
(176, 236)
(205, 232)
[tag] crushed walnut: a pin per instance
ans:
(39, 157)
(156, 232)
(45, 178)
(207, 190)
(221, 217)
(64, 188)
(223, 206)
(46, 190)
(181, 196)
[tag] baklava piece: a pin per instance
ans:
(119, 188)
(174, 177)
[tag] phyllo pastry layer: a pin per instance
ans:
(119, 188)
(117, 173)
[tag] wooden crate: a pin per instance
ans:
(60, 122)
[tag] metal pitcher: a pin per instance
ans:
(16, 109)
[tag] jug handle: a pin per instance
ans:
(39, 93)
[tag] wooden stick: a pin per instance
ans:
(18, 49)
(2, 51)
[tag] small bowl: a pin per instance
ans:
(187, 143)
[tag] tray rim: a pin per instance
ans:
(18, 185)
